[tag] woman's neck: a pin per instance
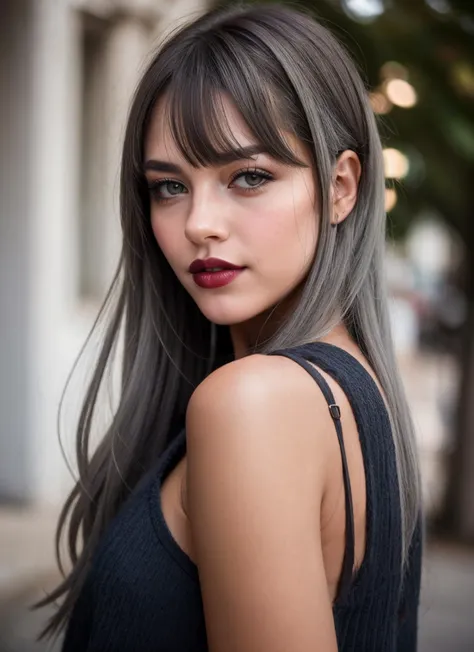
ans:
(246, 336)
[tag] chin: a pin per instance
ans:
(226, 315)
(221, 318)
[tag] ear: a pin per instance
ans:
(345, 185)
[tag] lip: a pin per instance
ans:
(198, 265)
(214, 280)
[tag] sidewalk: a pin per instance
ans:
(446, 611)
(27, 570)
(26, 545)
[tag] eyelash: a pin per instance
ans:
(266, 176)
(155, 186)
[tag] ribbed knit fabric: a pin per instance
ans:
(142, 593)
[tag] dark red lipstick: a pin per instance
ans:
(213, 272)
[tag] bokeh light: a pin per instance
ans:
(364, 9)
(396, 164)
(390, 199)
(401, 93)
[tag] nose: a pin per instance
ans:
(206, 220)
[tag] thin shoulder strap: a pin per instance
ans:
(335, 412)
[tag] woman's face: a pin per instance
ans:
(256, 215)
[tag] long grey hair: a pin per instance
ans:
(284, 72)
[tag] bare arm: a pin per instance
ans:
(256, 477)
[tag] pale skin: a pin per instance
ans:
(258, 501)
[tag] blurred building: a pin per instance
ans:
(67, 71)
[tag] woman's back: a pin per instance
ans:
(143, 590)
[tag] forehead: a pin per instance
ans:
(159, 137)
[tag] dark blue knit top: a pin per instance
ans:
(142, 593)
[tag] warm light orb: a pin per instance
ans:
(401, 93)
(380, 103)
(390, 199)
(396, 164)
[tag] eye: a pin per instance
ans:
(167, 189)
(251, 179)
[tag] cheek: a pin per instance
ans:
(309, 231)
(157, 232)
(167, 237)
(288, 233)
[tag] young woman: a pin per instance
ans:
(257, 490)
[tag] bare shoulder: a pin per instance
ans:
(265, 402)
(265, 373)
(256, 377)
(256, 384)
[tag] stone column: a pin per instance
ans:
(125, 49)
(16, 200)
(53, 155)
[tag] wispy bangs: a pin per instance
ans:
(216, 69)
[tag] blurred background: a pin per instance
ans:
(67, 71)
